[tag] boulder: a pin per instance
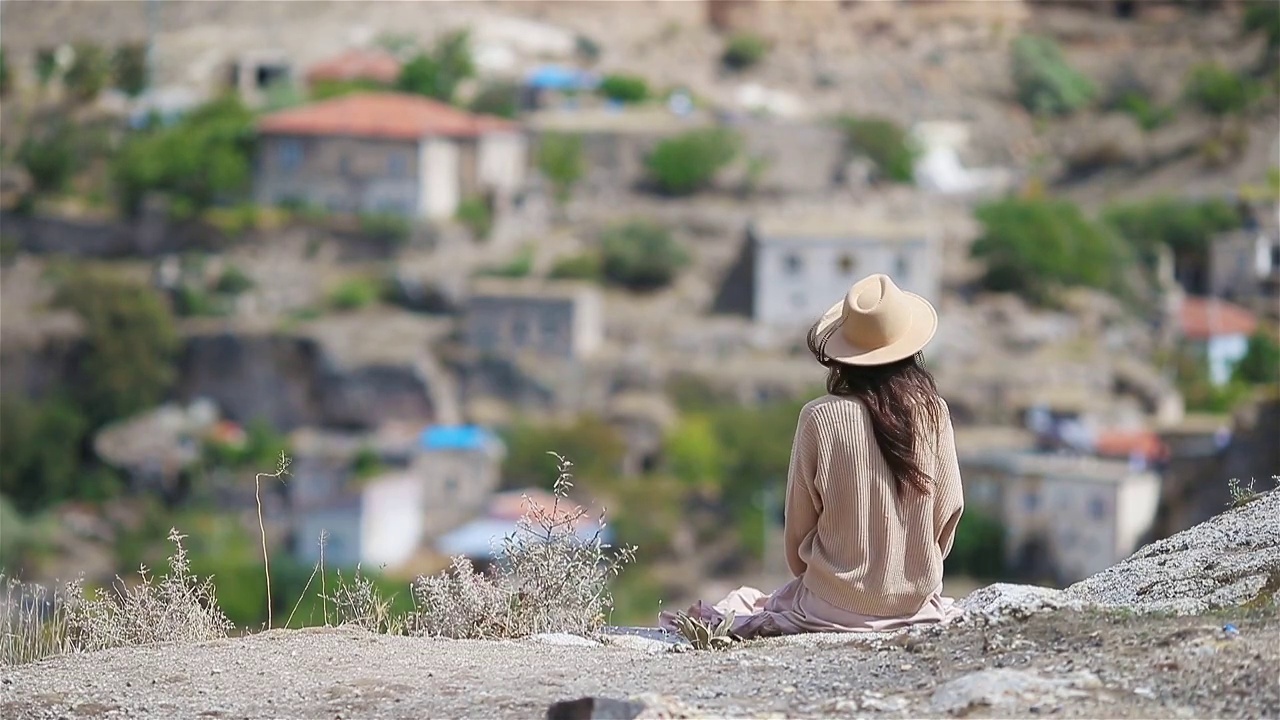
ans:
(1230, 560)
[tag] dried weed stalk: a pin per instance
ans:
(177, 607)
(545, 579)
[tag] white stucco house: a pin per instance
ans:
(1218, 331)
(1067, 515)
(803, 261)
(385, 152)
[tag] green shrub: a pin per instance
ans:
(387, 228)
(1045, 83)
(326, 89)
(40, 451)
(131, 343)
(191, 301)
(1184, 226)
(584, 266)
(744, 50)
(624, 88)
(234, 281)
(367, 463)
(88, 73)
(640, 255)
(885, 144)
(1219, 91)
(5, 78)
(1032, 246)
(1148, 115)
(561, 160)
(129, 69)
(1261, 362)
(437, 74)
(520, 266)
(50, 157)
(355, 293)
(1264, 16)
(689, 162)
(978, 550)
(597, 445)
(204, 158)
(46, 65)
(499, 98)
(475, 214)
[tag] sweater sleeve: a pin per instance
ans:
(949, 494)
(801, 508)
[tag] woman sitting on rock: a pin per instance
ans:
(873, 491)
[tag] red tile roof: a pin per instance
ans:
(1126, 443)
(1201, 318)
(382, 115)
(357, 64)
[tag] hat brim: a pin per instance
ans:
(924, 325)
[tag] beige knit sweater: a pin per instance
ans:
(854, 542)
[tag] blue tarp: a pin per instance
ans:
(457, 437)
(557, 77)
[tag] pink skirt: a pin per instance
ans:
(792, 610)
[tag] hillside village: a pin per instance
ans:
(415, 247)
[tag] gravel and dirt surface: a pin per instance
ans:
(1059, 664)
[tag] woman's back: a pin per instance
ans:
(863, 540)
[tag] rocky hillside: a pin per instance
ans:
(1018, 652)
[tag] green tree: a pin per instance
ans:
(50, 157)
(595, 449)
(1261, 362)
(744, 50)
(1264, 16)
(1032, 246)
(205, 157)
(978, 550)
(474, 213)
(624, 88)
(689, 162)
(129, 69)
(693, 454)
(583, 266)
(88, 73)
(130, 344)
(46, 65)
(4, 73)
(1220, 91)
(640, 255)
(561, 160)
(885, 143)
(327, 89)
(41, 446)
(1185, 227)
(437, 74)
(1045, 83)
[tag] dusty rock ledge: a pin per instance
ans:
(1143, 639)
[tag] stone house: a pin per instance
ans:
(253, 74)
(1244, 267)
(1218, 331)
(797, 264)
(1066, 517)
(383, 152)
(440, 480)
(560, 320)
(356, 64)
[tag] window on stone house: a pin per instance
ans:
(1031, 500)
(793, 264)
(847, 264)
(1098, 508)
(344, 164)
(289, 155)
(901, 268)
(519, 331)
(450, 487)
(397, 165)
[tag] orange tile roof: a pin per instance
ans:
(1126, 443)
(1202, 318)
(381, 115)
(357, 64)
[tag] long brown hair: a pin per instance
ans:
(902, 399)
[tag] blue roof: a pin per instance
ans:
(456, 437)
(557, 77)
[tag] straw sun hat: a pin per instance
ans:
(876, 323)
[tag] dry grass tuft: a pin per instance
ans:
(178, 607)
(358, 602)
(546, 579)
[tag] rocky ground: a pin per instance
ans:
(1109, 647)
(1061, 664)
